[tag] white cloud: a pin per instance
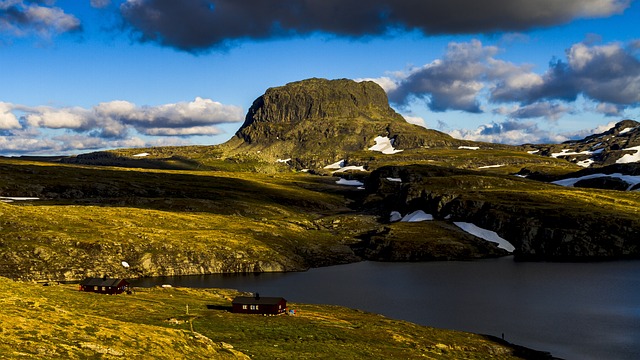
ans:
(23, 18)
(386, 83)
(509, 132)
(609, 109)
(108, 125)
(115, 118)
(416, 120)
(8, 120)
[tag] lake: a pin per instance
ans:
(573, 310)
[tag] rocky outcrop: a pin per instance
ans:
(316, 122)
(424, 241)
(603, 149)
(552, 228)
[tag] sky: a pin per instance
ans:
(86, 75)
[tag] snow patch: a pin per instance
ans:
(125, 264)
(533, 151)
(632, 180)
(630, 158)
(626, 130)
(395, 216)
(284, 160)
(485, 234)
(417, 216)
(384, 145)
(337, 165)
(349, 182)
(350, 168)
(8, 199)
(585, 163)
(142, 155)
(392, 179)
(491, 166)
(469, 147)
(567, 152)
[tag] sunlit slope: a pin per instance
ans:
(58, 321)
(89, 220)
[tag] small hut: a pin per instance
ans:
(104, 285)
(259, 305)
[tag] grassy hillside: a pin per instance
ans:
(166, 222)
(60, 322)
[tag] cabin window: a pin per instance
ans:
(104, 288)
(244, 307)
(254, 307)
(95, 288)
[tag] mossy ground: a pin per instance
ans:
(58, 321)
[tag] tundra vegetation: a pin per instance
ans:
(266, 201)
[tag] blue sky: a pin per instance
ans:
(84, 75)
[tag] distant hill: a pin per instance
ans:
(618, 145)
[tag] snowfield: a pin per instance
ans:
(337, 165)
(350, 168)
(485, 234)
(629, 179)
(384, 145)
(8, 199)
(625, 131)
(417, 216)
(349, 182)
(585, 163)
(568, 152)
(469, 147)
(491, 166)
(630, 158)
(142, 155)
(395, 216)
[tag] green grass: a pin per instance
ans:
(60, 322)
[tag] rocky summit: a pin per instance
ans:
(618, 145)
(316, 122)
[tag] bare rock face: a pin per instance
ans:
(317, 121)
(598, 150)
(557, 231)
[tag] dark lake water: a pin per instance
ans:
(573, 310)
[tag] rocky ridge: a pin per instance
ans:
(560, 227)
(618, 145)
(317, 122)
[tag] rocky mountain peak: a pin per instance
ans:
(316, 122)
(314, 99)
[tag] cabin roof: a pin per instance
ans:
(251, 300)
(102, 282)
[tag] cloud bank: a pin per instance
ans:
(198, 25)
(109, 124)
(470, 78)
(40, 18)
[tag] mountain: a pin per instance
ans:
(618, 145)
(317, 122)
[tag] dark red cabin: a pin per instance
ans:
(104, 285)
(259, 305)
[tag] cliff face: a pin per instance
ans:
(543, 222)
(316, 122)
